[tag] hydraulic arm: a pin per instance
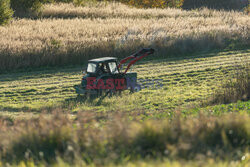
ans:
(135, 57)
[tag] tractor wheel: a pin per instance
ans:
(137, 88)
(111, 92)
(99, 92)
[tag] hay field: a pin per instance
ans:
(68, 35)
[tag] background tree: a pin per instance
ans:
(5, 12)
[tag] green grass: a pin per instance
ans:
(186, 83)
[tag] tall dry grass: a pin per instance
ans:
(45, 139)
(116, 30)
(234, 88)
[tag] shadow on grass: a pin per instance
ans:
(21, 109)
(48, 71)
(86, 99)
(93, 99)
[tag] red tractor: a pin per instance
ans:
(105, 75)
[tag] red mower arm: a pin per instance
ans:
(135, 57)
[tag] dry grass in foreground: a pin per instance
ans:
(116, 30)
(45, 139)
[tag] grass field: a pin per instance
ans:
(172, 121)
(186, 82)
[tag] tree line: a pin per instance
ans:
(24, 8)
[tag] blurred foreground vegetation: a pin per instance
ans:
(84, 139)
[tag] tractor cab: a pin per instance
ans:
(100, 66)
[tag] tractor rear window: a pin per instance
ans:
(91, 68)
(113, 67)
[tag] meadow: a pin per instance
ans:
(198, 116)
